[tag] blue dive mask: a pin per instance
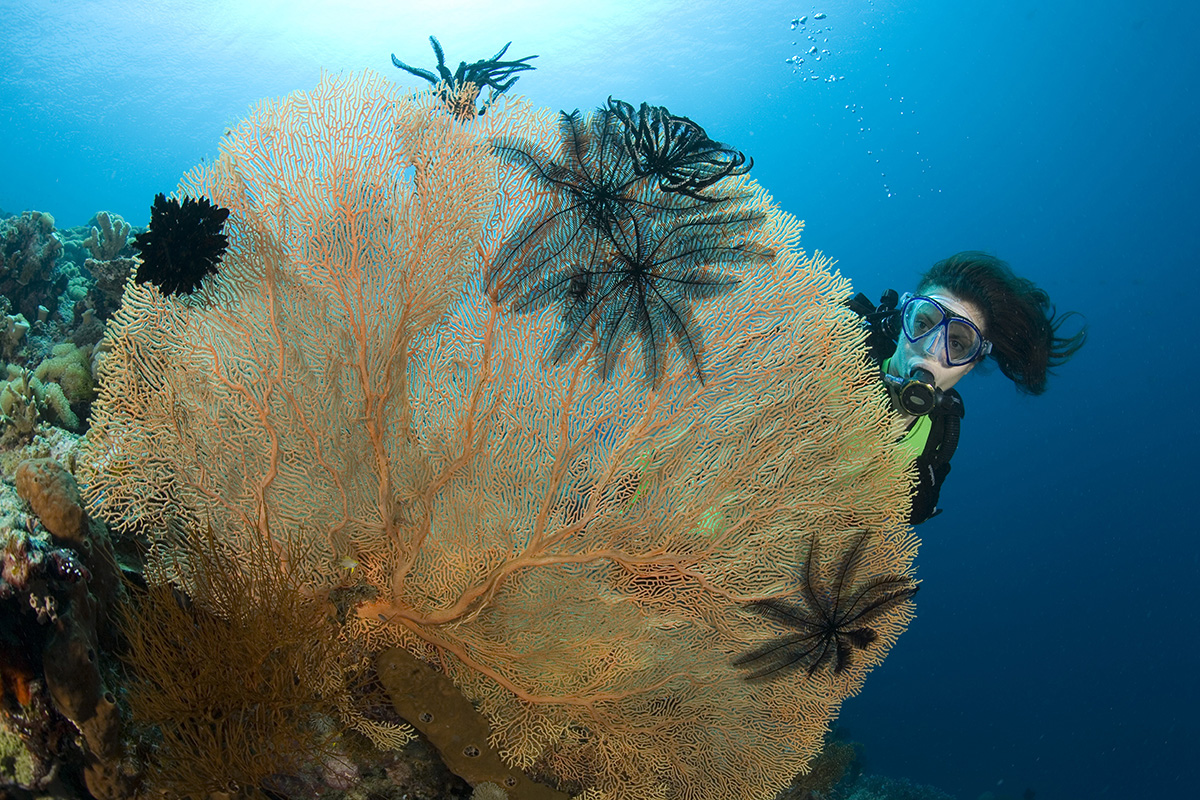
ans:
(927, 321)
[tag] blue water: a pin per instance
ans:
(1056, 643)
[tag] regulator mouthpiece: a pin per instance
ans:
(915, 395)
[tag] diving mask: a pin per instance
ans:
(930, 323)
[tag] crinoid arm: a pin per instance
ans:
(800, 650)
(676, 151)
(460, 88)
(441, 57)
(497, 75)
(424, 73)
(622, 256)
(420, 73)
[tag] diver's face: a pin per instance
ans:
(929, 353)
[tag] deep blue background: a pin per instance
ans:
(1055, 646)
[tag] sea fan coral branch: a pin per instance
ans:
(371, 372)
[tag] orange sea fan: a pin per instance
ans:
(577, 554)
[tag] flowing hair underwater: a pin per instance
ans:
(1019, 318)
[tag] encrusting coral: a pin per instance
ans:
(578, 555)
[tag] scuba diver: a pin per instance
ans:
(968, 307)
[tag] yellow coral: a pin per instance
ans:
(18, 406)
(69, 366)
(16, 764)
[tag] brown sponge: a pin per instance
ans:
(54, 496)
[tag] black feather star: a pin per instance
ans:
(835, 615)
(184, 244)
(645, 284)
(676, 150)
(496, 75)
(624, 246)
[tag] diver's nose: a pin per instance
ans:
(930, 342)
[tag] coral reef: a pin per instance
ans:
(63, 382)
(58, 580)
(29, 250)
(12, 338)
(101, 253)
(16, 764)
(59, 390)
(53, 292)
(836, 766)
(18, 407)
(58, 574)
(110, 277)
(877, 787)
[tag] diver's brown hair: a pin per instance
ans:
(1019, 319)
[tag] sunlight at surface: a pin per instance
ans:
(180, 38)
(356, 33)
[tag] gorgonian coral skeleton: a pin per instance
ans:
(835, 615)
(459, 89)
(618, 249)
